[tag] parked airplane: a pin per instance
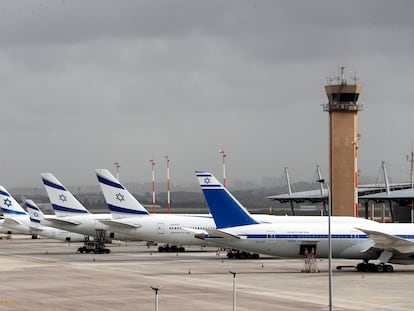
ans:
(173, 229)
(352, 238)
(73, 216)
(176, 230)
(36, 216)
(16, 218)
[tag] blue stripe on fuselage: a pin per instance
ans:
(272, 236)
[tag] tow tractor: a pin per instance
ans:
(95, 246)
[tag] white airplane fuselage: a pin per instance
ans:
(289, 239)
(180, 229)
(166, 228)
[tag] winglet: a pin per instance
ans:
(63, 202)
(120, 201)
(226, 210)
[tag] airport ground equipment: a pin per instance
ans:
(95, 246)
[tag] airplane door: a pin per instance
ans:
(160, 228)
(271, 236)
(355, 237)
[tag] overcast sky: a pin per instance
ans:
(84, 84)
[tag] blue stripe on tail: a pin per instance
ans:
(53, 185)
(123, 210)
(68, 209)
(109, 183)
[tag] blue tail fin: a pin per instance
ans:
(226, 210)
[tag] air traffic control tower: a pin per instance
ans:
(343, 108)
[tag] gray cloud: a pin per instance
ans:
(87, 83)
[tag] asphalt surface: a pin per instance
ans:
(50, 275)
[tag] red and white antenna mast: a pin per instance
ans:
(117, 166)
(410, 158)
(154, 209)
(223, 157)
(168, 185)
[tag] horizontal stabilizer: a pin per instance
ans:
(35, 229)
(64, 222)
(12, 221)
(114, 223)
(222, 234)
(389, 242)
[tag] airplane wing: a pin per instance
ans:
(61, 221)
(389, 242)
(114, 223)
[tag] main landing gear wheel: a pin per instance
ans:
(169, 249)
(370, 267)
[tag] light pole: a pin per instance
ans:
(117, 166)
(168, 185)
(322, 181)
(234, 288)
(156, 288)
(154, 209)
(223, 159)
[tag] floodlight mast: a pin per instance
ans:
(168, 185)
(154, 209)
(117, 166)
(223, 157)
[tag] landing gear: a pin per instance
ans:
(370, 267)
(171, 249)
(236, 254)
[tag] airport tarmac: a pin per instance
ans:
(50, 275)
